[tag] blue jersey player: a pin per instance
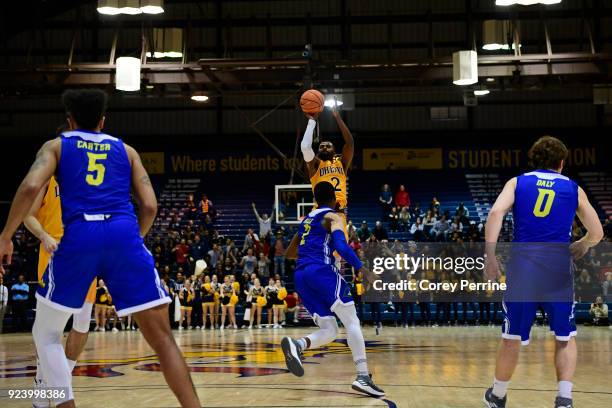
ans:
(322, 289)
(96, 174)
(543, 204)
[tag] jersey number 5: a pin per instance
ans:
(95, 170)
(543, 202)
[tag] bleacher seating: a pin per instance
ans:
(598, 186)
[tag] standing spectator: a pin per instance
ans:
(263, 265)
(198, 248)
(404, 219)
(385, 199)
(265, 223)
(4, 295)
(248, 262)
(380, 232)
(250, 239)
(181, 251)
(216, 256)
(279, 255)
(402, 198)
(103, 299)
(230, 250)
(205, 206)
(599, 313)
(190, 208)
(350, 228)
(364, 232)
(20, 292)
(393, 220)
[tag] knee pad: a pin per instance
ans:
(81, 320)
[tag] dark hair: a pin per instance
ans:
(324, 193)
(547, 153)
(61, 129)
(85, 106)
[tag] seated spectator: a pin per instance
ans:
(380, 232)
(429, 220)
(440, 229)
(402, 198)
(463, 213)
(416, 211)
(393, 220)
(404, 219)
(418, 230)
(364, 232)
(456, 226)
(354, 242)
(435, 204)
(607, 283)
(350, 228)
(608, 227)
(599, 313)
(385, 200)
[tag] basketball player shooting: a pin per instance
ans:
(322, 289)
(543, 204)
(96, 174)
(327, 165)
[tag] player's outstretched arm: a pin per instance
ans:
(291, 252)
(588, 216)
(35, 227)
(348, 150)
(312, 162)
(41, 171)
(143, 192)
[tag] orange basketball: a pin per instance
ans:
(312, 102)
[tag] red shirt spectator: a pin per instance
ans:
(291, 300)
(181, 251)
(402, 198)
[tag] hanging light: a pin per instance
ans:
(127, 77)
(130, 7)
(199, 97)
(152, 6)
(495, 34)
(168, 43)
(108, 7)
(465, 67)
(525, 2)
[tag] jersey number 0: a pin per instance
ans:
(543, 202)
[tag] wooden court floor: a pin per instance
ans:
(418, 367)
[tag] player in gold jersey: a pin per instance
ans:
(45, 221)
(327, 165)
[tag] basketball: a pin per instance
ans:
(312, 102)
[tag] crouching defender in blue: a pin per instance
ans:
(322, 289)
(102, 236)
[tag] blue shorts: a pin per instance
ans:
(321, 288)
(111, 249)
(519, 317)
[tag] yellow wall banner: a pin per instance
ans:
(154, 162)
(396, 159)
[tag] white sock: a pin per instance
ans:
(71, 364)
(565, 389)
(302, 343)
(354, 337)
(500, 388)
(48, 327)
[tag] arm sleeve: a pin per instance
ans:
(306, 145)
(340, 245)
